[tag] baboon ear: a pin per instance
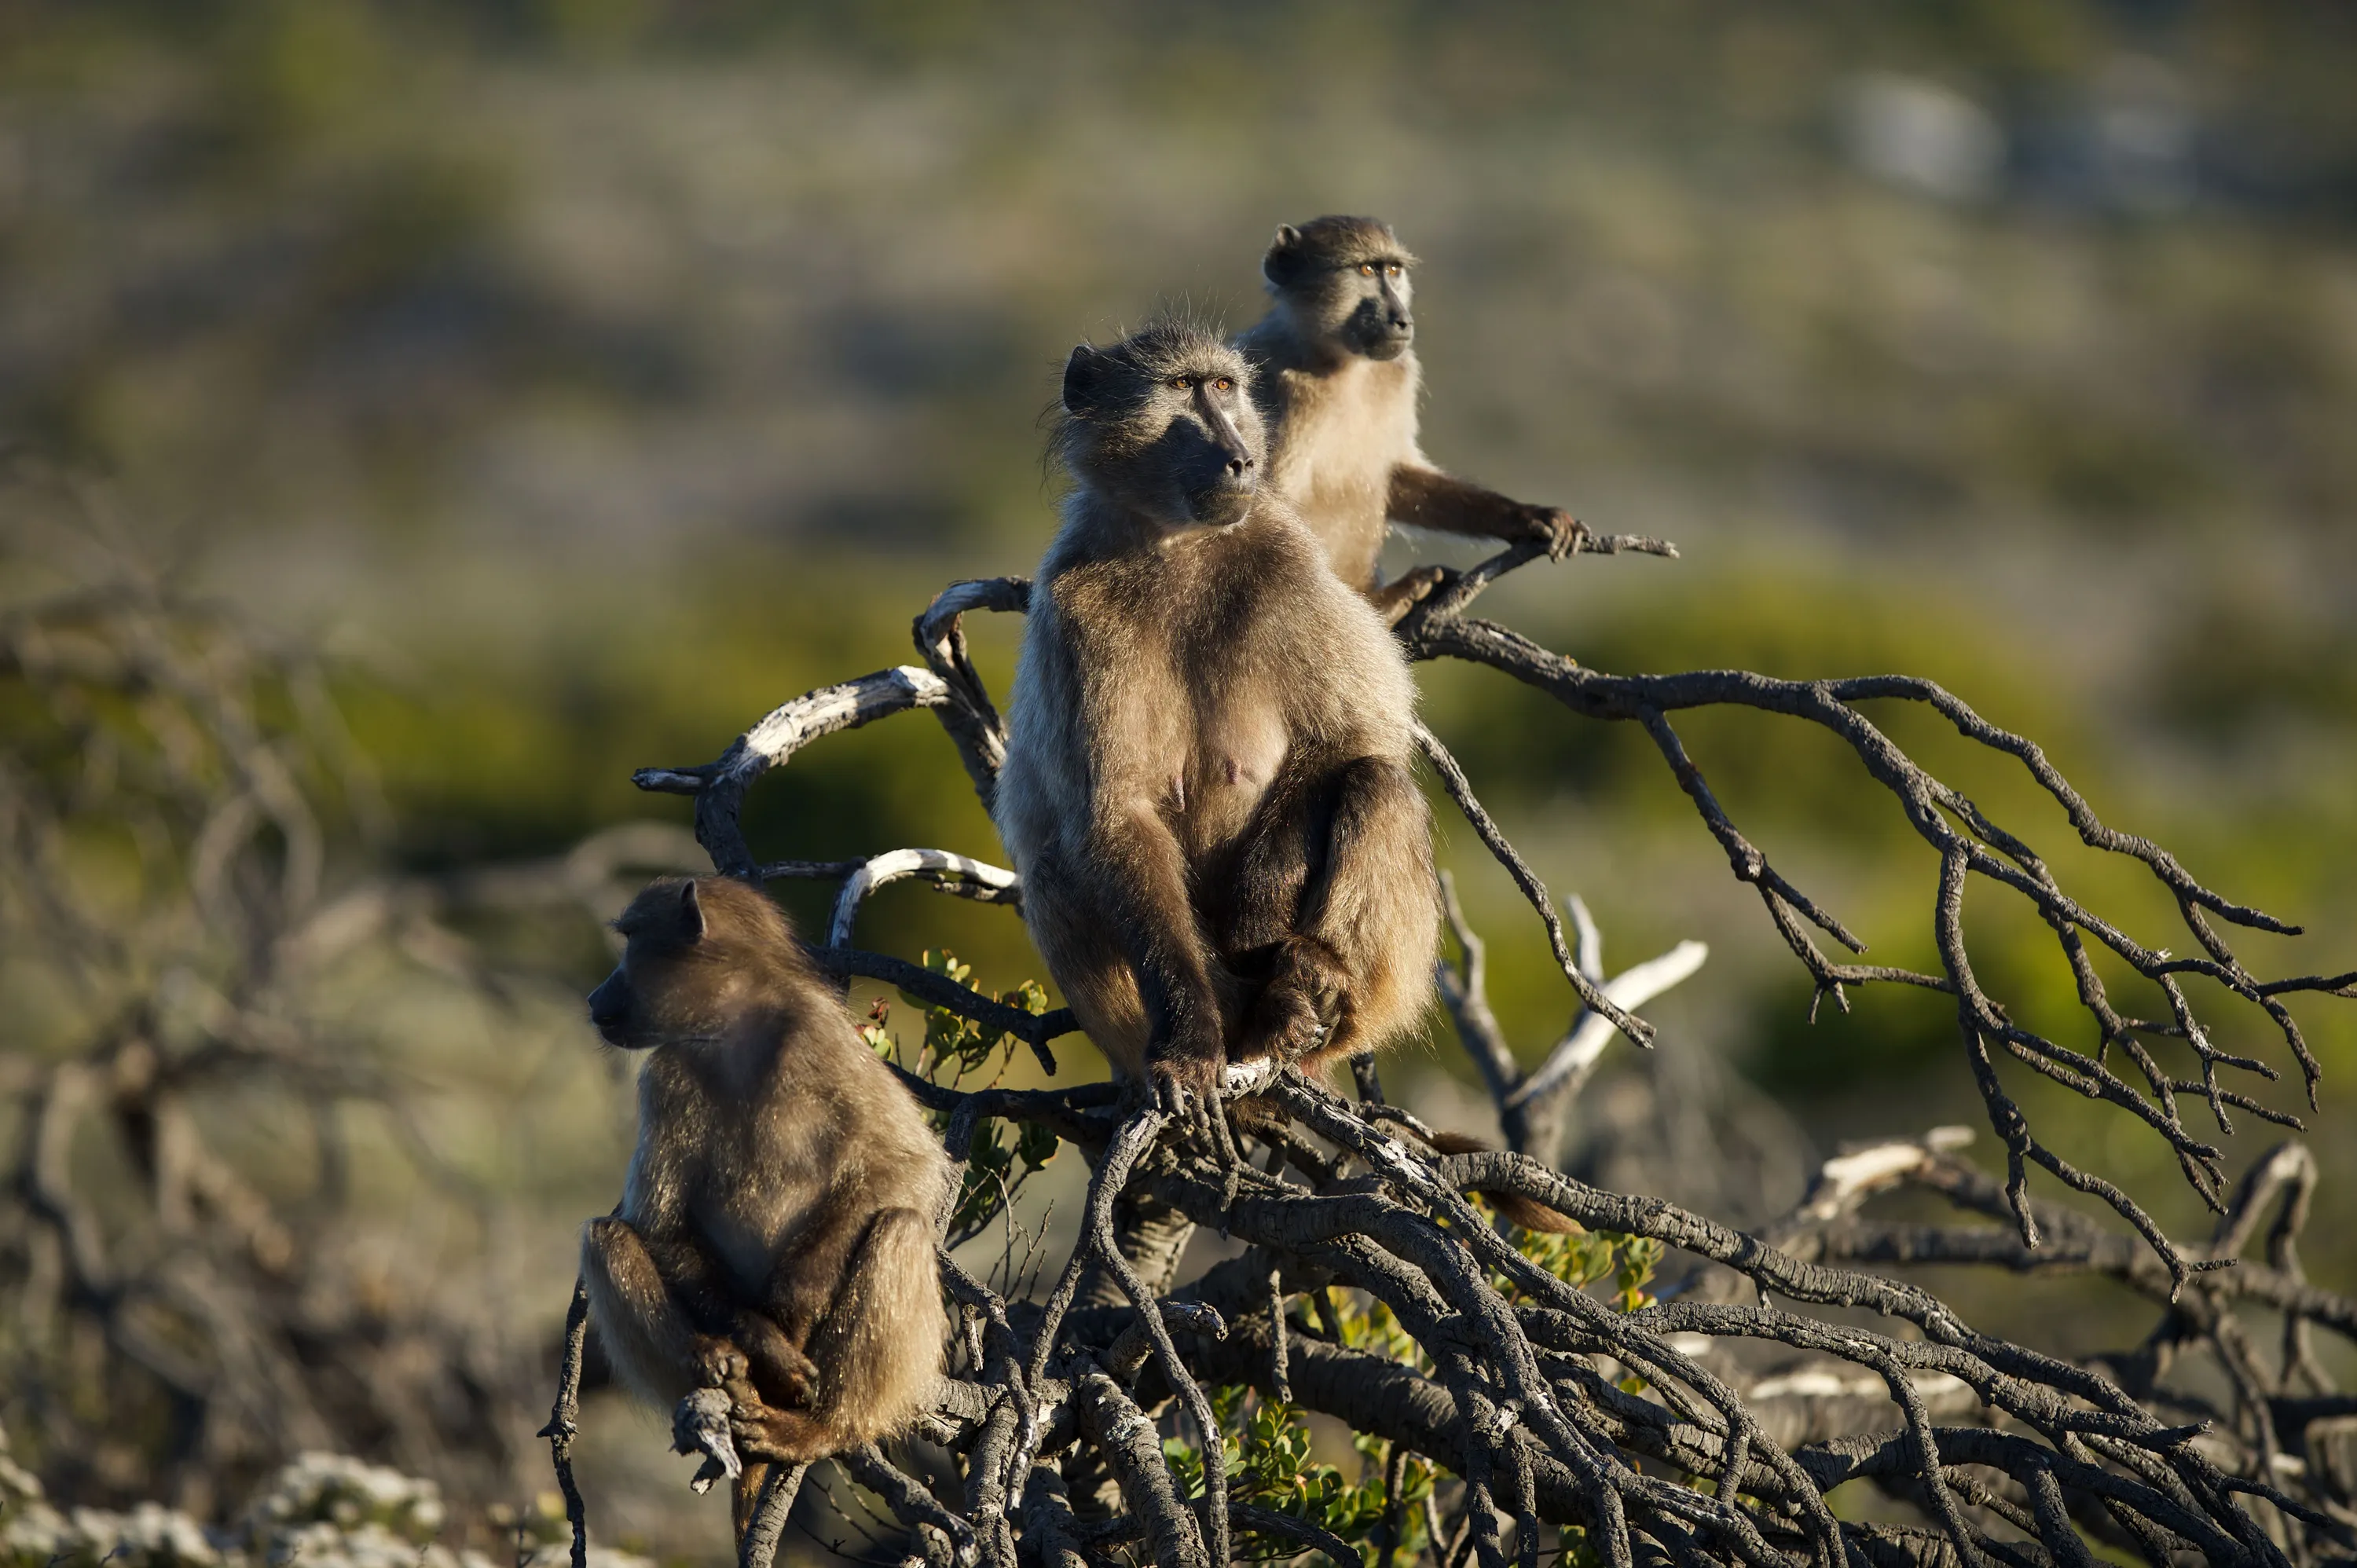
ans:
(1086, 375)
(690, 913)
(1282, 263)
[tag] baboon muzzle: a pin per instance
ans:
(610, 1004)
(1381, 328)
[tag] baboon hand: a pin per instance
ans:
(1184, 1071)
(1178, 1088)
(1561, 531)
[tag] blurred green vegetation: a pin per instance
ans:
(598, 374)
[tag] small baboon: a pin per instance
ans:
(776, 1234)
(1335, 375)
(1207, 790)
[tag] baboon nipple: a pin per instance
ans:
(1235, 770)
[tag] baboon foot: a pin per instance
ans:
(1395, 599)
(760, 1429)
(782, 1437)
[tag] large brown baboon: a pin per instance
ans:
(1208, 789)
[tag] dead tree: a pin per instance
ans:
(1510, 1405)
(179, 1317)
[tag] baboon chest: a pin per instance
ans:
(1232, 731)
(1340, 436)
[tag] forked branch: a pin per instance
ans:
(1969, 844)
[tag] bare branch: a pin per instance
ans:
(950, 873)
(1969, 844)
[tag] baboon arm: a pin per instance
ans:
(1426, 497)
(1145, 872)
(646, 1329)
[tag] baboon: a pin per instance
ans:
(776, 1234)
(1206, 788)
(1336, 376)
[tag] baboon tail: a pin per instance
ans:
(1528, 1213)
(882, 1343)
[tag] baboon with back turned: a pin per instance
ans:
(1207, 790)
(1336, 379)
(776, 1235)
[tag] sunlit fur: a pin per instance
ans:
(782, 1196)
(1340, 410)
(1208, 789)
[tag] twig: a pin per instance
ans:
(564, 1420)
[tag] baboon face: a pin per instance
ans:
(1164, 420)
(695, 953)
(1346, 282)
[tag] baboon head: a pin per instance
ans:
(1345, 281)
(1162, 420)
(701, 955)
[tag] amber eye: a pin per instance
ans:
(1366, 269)
(1225, 383)
(1182, 383)
(1394, 269)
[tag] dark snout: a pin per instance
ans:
(1224, 493)
(1382, 328)
(609, 1008)
(1226, 471)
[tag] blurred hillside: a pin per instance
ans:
(590, 375)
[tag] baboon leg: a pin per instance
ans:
(1254, 898)
(1263, 898)
(880, 1345)
(779, 1369)
(648, 1337)
(1355, 970)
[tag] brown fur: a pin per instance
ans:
(776, 1235)
(1338, 381)
(1208, 788)
(1526, 1212)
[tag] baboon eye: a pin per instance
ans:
(1225, 383)
(1394, 268)
(1182, 383)
(1366, 269)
